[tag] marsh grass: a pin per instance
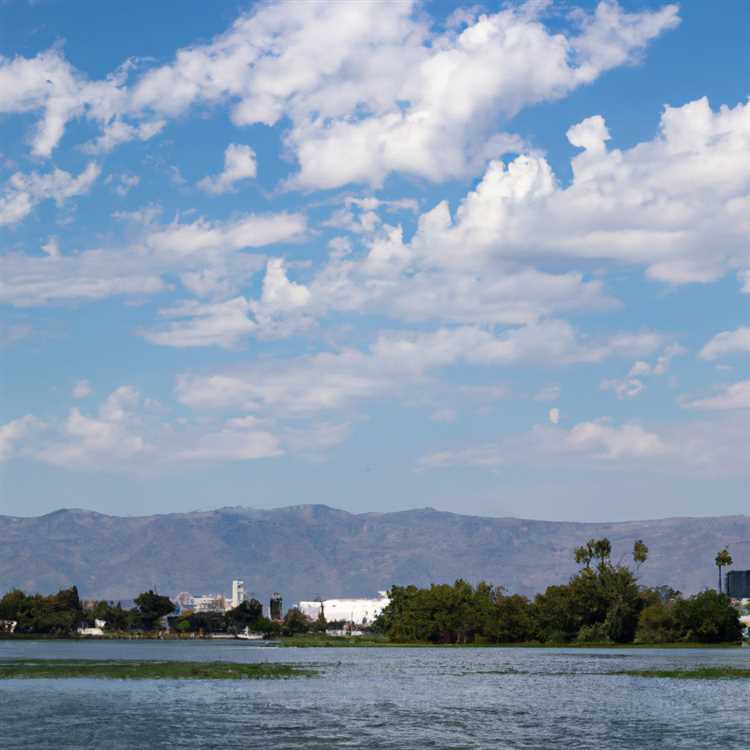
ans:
(699, 673)
(146, 670)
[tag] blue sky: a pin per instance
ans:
(491, 259)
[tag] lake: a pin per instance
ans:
(380, 698)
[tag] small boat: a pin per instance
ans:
(248, 636)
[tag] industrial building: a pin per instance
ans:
(357, 611)
(738, 584)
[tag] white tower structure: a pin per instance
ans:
(238, 593)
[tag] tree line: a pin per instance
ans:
(602, 603)
(61, 614)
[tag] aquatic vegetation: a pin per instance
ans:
(146, 670)
(698, 673)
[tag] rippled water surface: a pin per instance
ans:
(381, 698)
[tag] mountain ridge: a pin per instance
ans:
(310, 550)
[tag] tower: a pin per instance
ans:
(277, 606)
(238, 593)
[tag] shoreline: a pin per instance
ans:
(315, 642)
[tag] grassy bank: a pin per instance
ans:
(701, 673)
(146, 670)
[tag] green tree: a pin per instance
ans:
(657, 624)
(295, 622)
(245, 615)
(640, 553)
(152, 606)
(723, 560)
(708, 617)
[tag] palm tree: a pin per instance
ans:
(640, 553)
(723, 559)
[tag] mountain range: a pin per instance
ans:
(311, 551)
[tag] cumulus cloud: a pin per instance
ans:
(239, 164)
(676, 204)
(554, 415)
(387, 88)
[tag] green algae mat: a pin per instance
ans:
(146, 670)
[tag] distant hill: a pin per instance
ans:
(307, 551)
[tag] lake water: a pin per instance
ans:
(380, 698)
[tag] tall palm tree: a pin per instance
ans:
(723, 559)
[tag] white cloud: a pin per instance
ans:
(219, 324)
(554, 415)
(14, 434)
(640, 368)
(626, 388)
(733, 396)
(633, 384)
(129, 434)
(204, 254)
(393, 363)
(117, 132)
(112, 437)
(239, 164)
(51, 248)
(207, 238)
(594, 443)
(278, 292)
(704, 449)
(23, 191)
(678, 204)
(123, 182)
(727, 342)
(234, 441)
(386, 87)
(48, 84)
(31, 281)
(82, 389)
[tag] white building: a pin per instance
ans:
(8, 626)
(239, 594)
(209, 603)
(357, 611)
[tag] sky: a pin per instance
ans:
(491, 259)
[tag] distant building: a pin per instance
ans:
(277, 607)
(209, 603)
(738, 584)
(8, 626)
(238, 593)
(357, 611)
